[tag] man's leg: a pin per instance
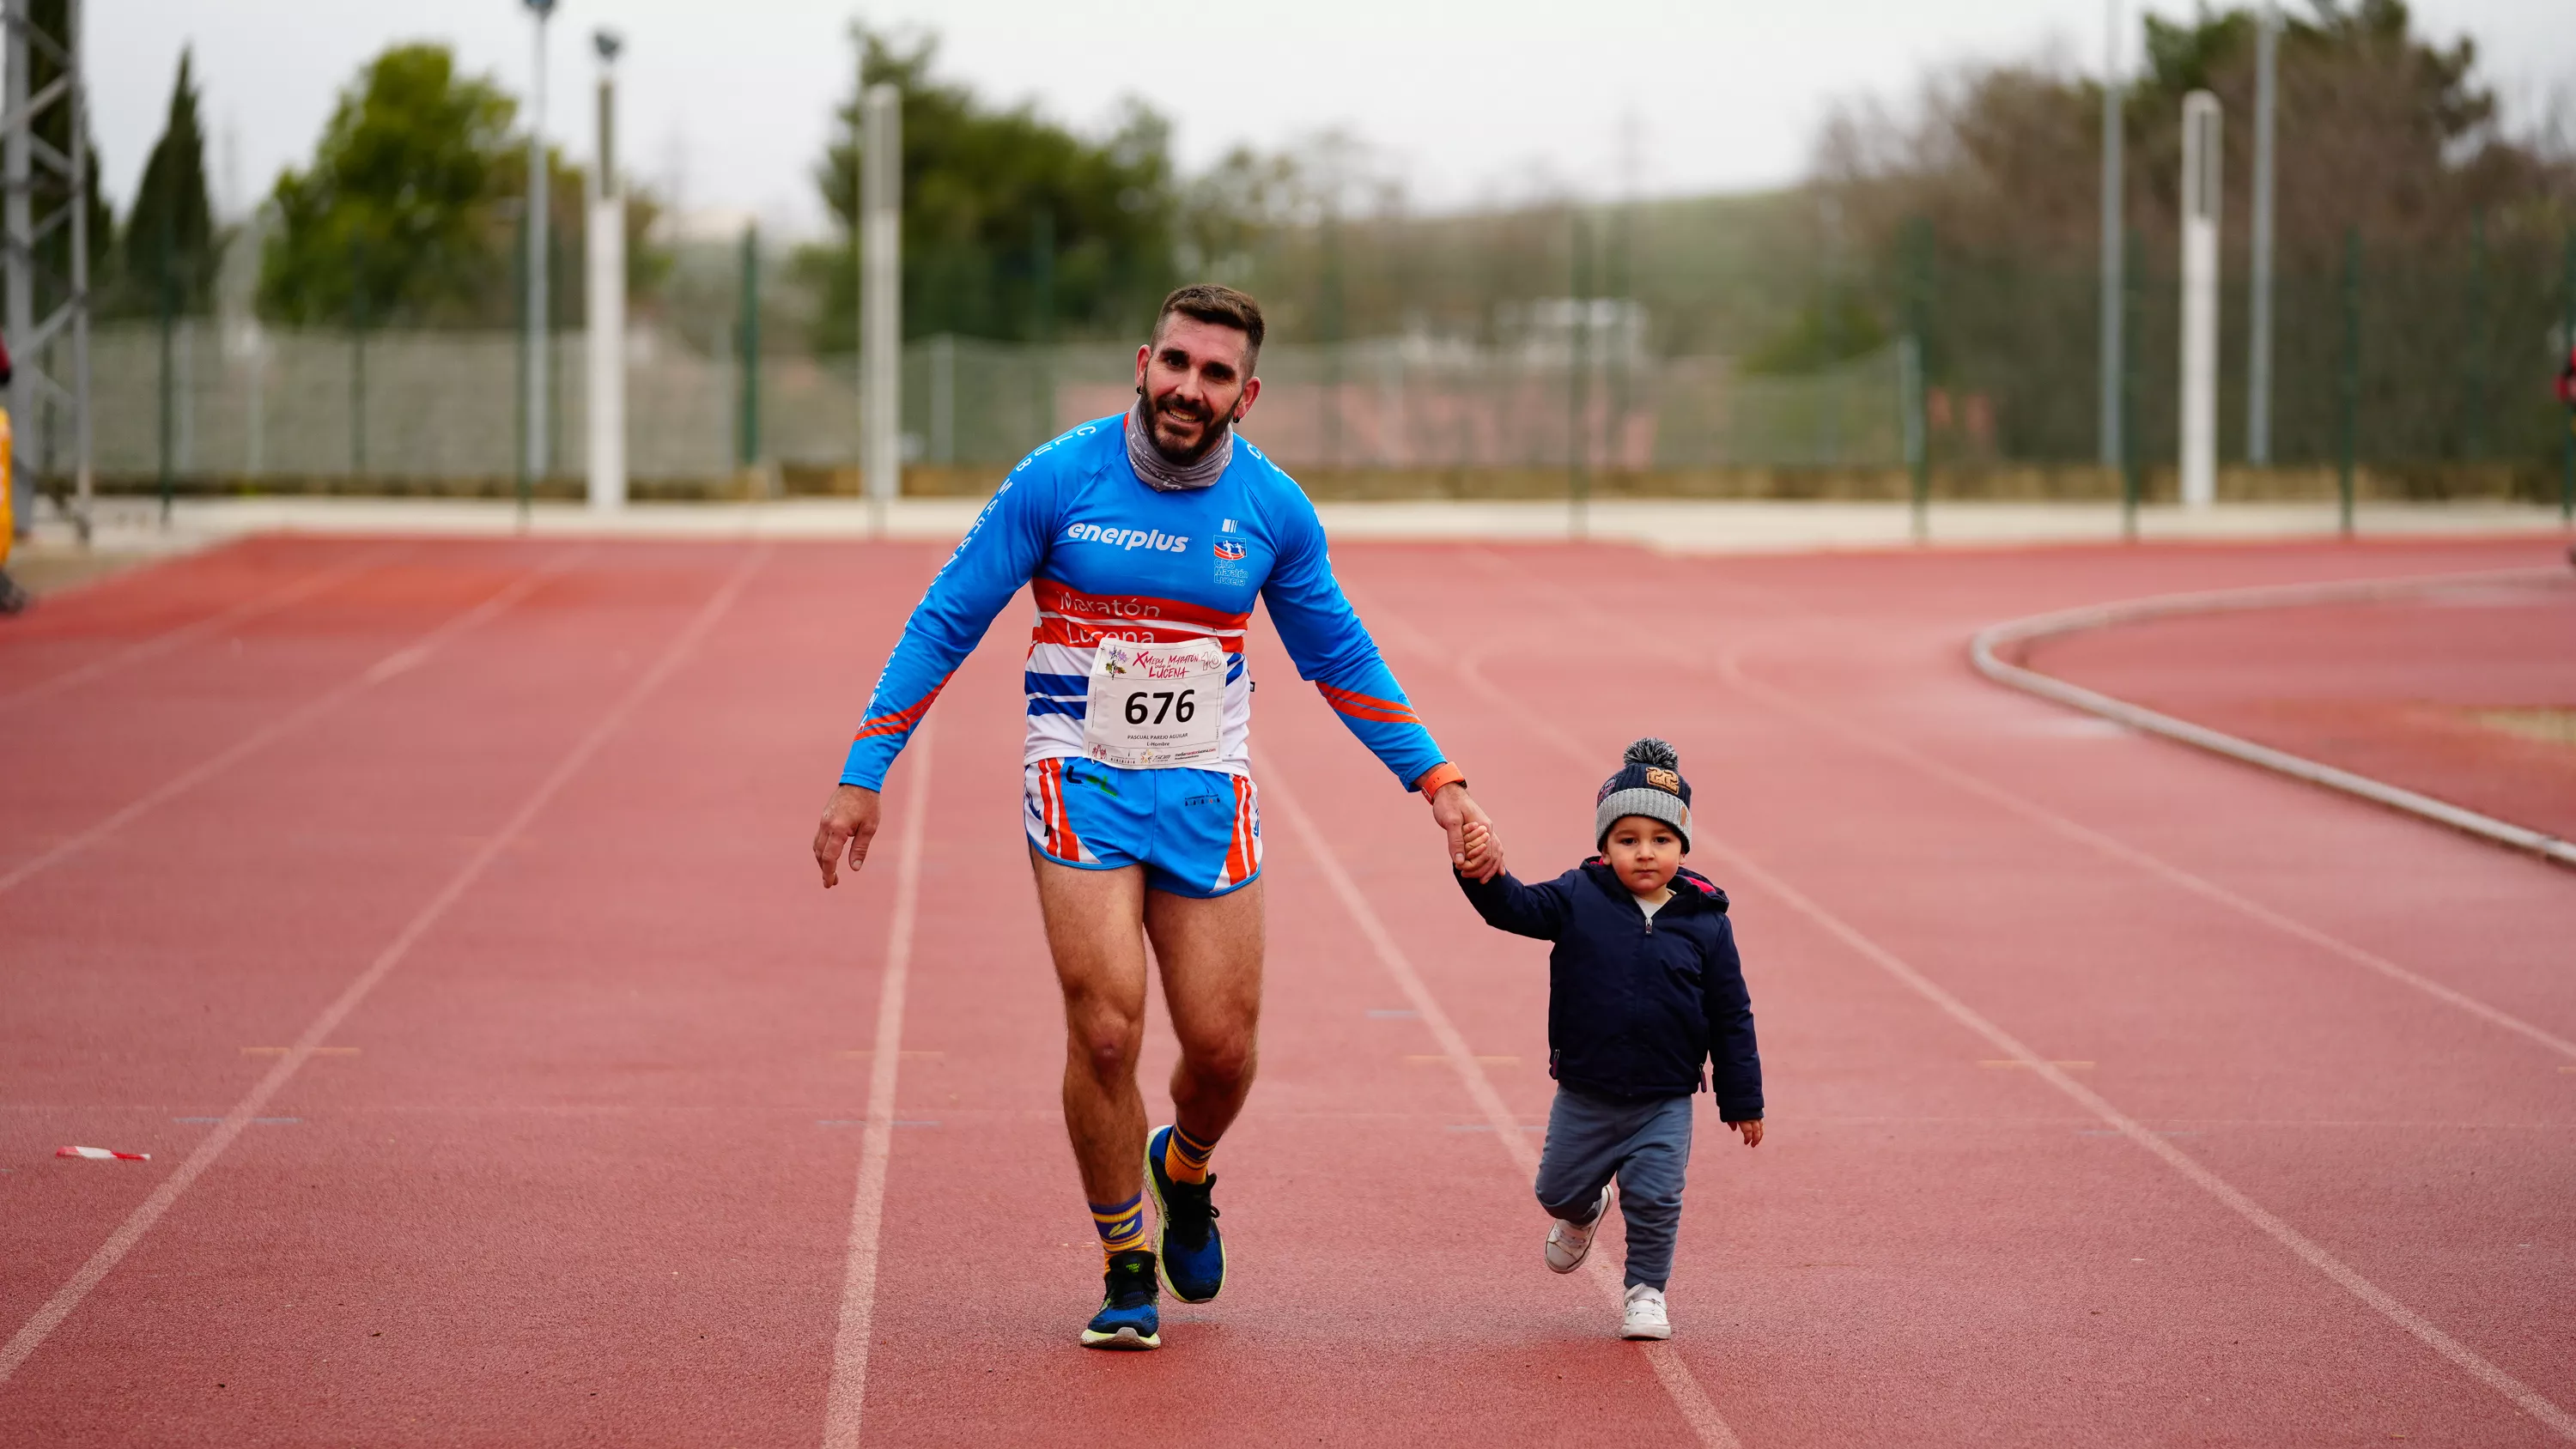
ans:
(1209, 950)
(1093, 926)
(1210, 955)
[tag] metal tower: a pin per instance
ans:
(42, 308)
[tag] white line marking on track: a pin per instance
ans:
(241, 613)
(2308, 1251)
(845, 1402)
(303, 714)
(1677, 1379)
(32, 1334)
(1731, 669)
(2299, 1244)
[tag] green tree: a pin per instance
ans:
(172, 221)
(1013, 226)
(400, 214)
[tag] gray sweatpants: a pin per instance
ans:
(1646, 1144)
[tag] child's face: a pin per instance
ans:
(1644, 852)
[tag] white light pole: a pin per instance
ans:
(2112, 237)
(2258, 318)
(881, 296)
(536, 338)
(607, 365)
(2200, 173)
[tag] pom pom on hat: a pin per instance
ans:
(1652, 751)
(1649, 783)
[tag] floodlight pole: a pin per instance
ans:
(535, 336)
(2200, 194)
(881, 301)
(2258, 313)
(2113, 234)
(606, 372)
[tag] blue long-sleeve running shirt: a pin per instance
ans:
(1106, 556)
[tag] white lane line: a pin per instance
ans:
(2305, 1249)
(294, 719)
(845, 1402)
(1675, 1375)
(32, 1334)
(1730, 668)
(244, 612)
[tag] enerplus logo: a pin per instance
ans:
(1129, 538)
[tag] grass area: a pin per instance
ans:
(2548, 724)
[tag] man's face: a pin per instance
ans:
(1195, 386)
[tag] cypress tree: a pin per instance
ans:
(172, 203)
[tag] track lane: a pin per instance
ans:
(559, 1049)
(1886, 806)
(1386, 1285)
(1536, 632)
(79, 824)
(606, 1073)
(85, 660)
(64, 1301)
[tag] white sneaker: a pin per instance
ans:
(1644, 1316)
(1569, 1243)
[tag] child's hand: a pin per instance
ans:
(1752, 1131)
(1484, 853)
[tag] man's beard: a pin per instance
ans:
(1212, 431)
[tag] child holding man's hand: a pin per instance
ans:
(1644, 992)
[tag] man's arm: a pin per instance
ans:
(999, 554)
(1332, 648)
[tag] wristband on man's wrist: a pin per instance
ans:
(1438, 775)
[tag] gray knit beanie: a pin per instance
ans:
(1649, 783)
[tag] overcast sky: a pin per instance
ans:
(727, 104)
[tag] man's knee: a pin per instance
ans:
(1221, 1060)
(1106, 1041)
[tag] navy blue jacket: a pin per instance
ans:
(1636, 1006)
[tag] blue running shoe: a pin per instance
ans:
(1185, 1237)
(1126, 1318)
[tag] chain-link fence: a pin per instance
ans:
(2424, 361)
(243, 406)
(2411, 359)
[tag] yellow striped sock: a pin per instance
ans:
(1121, 1226)
(1185, 1158)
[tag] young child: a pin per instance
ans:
(1644, 989)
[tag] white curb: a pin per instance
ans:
(1982, 651)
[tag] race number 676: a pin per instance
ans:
(1155, 706)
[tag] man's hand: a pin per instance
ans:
(849, 821)
(1455, 809)
(1752, 1131)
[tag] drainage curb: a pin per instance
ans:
(1984, 652)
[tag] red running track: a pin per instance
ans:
(506, 1076)
(2419, 691)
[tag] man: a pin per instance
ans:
(1145, 540)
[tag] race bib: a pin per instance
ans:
(1155, 706)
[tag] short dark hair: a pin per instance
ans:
(1218, 306)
